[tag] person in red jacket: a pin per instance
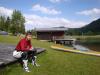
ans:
(27, 50)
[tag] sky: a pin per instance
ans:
(53, 13)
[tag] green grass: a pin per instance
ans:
(54, 62)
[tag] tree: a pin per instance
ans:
(7, 24)
(17, 22)
(33, 31)
(2, 23)
(90, 33)
(73, 31)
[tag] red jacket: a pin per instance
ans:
(23, 45)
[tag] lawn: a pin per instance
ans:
(54, 62)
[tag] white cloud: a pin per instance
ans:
(94, 11)
(93, 14)
(33, 21)
(57, 1)
(45, 10)
(5, 11)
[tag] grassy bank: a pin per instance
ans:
(87, 39)
(54, 62)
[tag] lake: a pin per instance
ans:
(94, 47)
(90, 46)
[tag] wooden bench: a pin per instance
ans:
(6, 52)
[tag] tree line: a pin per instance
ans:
(13, 24)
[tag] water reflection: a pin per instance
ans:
(94, 47)
(87, 47)
(81, 48)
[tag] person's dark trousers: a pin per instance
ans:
(28, 55)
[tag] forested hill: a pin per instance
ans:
(92, 28)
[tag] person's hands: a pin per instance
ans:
(31, 48)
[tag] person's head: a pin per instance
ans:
(28, 36)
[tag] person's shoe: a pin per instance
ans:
(25, 66)
(26, 69)
(33, 62)
(35, 57)
(37, 65)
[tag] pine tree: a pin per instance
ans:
(2, 23)
(17, 22)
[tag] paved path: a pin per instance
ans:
(6, 52)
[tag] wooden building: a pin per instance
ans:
(51, 33)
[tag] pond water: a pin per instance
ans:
(94, 47)
(81, 47)
(87, 47)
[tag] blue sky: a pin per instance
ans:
(53, 13)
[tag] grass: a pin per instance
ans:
(54, 62)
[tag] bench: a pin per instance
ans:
(6, 52)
